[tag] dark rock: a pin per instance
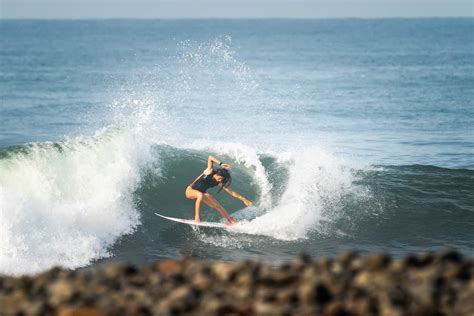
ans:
(377, 261)
(449, 255)
(317, 293)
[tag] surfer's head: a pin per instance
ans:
(222, 176)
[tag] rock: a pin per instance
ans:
(181, 299)
(170, 266)
(449, 255)
(306, 310)
(211, 306)
(282, 278)
(60, 292)
(346, 257)
(244, 279)
(287, 296)
(336, 309)
(80, 311)
(267, 309)
(464, 304)
(377, 262)
(266, 294)
(113, 270)
(323, 264)
(202, 282)
(224, 271)
(317, 293)
(244, 308)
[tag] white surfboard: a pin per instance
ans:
(193, 223)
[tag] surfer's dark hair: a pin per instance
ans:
(226, 177)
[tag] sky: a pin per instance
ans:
(77, 9)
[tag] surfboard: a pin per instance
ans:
(193, 223)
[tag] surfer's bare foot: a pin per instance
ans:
(197, 220)
(231, 221)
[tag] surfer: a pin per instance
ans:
(210, 178)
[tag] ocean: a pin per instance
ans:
(344, 133)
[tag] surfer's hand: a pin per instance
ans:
(247, 202)
(225, 166)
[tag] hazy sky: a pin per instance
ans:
(232, 8)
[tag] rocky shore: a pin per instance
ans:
(439, 283)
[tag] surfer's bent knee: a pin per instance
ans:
(200, 196)
(193, 194)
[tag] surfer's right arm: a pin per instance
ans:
(238, 196)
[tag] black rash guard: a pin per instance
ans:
(205, 182)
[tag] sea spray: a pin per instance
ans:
(316, 182)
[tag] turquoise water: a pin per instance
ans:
(345, 133)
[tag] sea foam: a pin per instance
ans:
(66, 203)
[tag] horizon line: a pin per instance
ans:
(239, 18)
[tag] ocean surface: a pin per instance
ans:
(345, 133)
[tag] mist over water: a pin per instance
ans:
(342, 138)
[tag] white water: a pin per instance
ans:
(316, 183)
(66, 203)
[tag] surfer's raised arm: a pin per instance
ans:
(212, 159)
(237, 196)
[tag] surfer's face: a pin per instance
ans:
(218, 178)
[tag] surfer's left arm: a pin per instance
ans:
(238, 196)
(212, 159)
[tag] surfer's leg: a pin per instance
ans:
(192, 194)
(212, 202)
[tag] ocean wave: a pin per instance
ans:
(69, 202)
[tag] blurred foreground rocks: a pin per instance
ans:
(439, 283)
